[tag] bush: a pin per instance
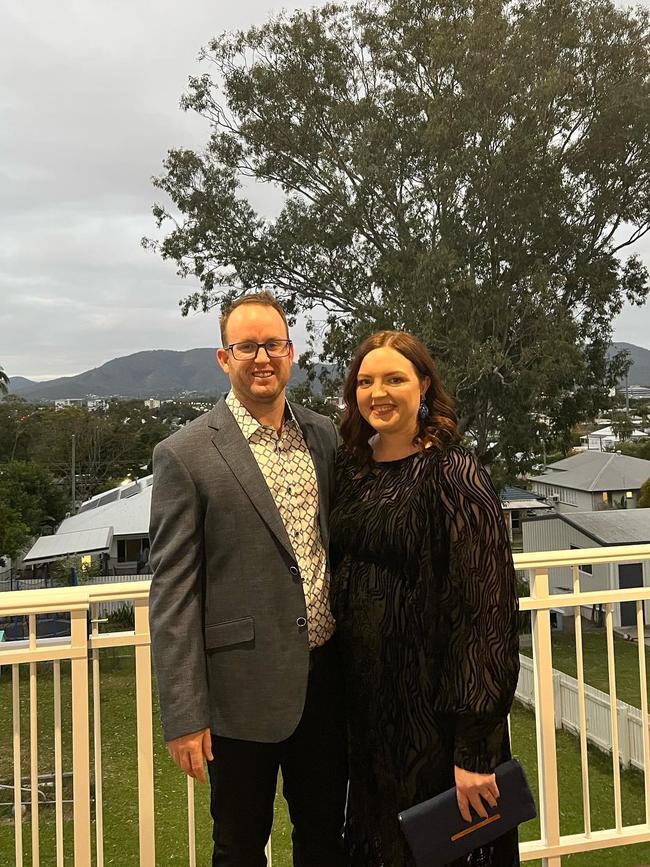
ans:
(644, 495)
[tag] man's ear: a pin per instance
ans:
(222, 359)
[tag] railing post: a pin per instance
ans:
(557, 698)
(545, 717)
(145, 734)
(624, 734)
(80, 737)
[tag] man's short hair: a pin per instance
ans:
(265, 298)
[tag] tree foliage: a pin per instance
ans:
(36, 458)
(4, 381)
(644, 495)
(469, 170)
(30, 502)
(108, 446)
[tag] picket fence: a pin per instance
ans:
(599, 729)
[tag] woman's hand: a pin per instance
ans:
(471, 788)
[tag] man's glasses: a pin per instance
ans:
(248, 349)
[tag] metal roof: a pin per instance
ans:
(517, 498)
(88, 541)
(596, 471)
(128, 516)
(121, 512)
(613, 526)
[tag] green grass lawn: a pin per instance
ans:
(594, 644)
(119, 774)
(120, 782)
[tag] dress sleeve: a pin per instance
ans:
(481, 660)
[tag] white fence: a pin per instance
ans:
(597, 709)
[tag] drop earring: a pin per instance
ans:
(423, 411)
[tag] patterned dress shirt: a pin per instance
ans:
(288, 469)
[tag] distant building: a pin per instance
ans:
(636, 392)
(516, 504)
(560, 532)
(605, 439)
(69, 401)
(152, 403)
(592, 481)
(113, 525)
(98, 405)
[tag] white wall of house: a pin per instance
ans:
(554, 534)
(570, 500)
(612, 499)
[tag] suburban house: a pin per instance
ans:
(517, 503)
(113, 526)
(592, 481)
(604, 438)
(594, 529)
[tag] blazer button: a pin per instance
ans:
(294, 570)
(301, 622)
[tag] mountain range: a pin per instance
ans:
(164, 373)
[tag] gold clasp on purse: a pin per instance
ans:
(476, 827)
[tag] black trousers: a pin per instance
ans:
(313, 760)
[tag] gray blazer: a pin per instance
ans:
(227, 607)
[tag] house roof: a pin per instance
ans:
(596, 471)
(62, 544)
(125, 509)
(613, 526)
(606, 432)
(513, 498)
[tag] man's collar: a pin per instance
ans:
(248, 423)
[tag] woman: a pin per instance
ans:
(423, 592)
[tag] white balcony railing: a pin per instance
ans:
(85, 646)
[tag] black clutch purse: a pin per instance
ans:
(437, 833)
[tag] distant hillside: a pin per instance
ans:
(18, 382)
(640, 370)
(163, 373)
(160, 373)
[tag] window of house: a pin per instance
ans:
(128, 550)
(583, 567)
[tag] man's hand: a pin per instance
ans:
(470, 788)
(189, 751)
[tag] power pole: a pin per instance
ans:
(74, 477)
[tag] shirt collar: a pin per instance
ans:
(248, 424)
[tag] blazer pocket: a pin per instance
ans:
(230, 632)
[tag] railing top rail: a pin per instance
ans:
(576, 556)
(58, 599)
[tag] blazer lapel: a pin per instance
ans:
(232, 445)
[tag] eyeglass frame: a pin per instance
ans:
(287, 342)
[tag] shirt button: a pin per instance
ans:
(301, 622)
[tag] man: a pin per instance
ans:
(241, 629)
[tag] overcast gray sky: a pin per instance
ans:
(89, 95)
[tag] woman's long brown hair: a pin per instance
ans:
(441, 425)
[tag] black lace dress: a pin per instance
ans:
(423, 592)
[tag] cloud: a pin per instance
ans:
(89, 95)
